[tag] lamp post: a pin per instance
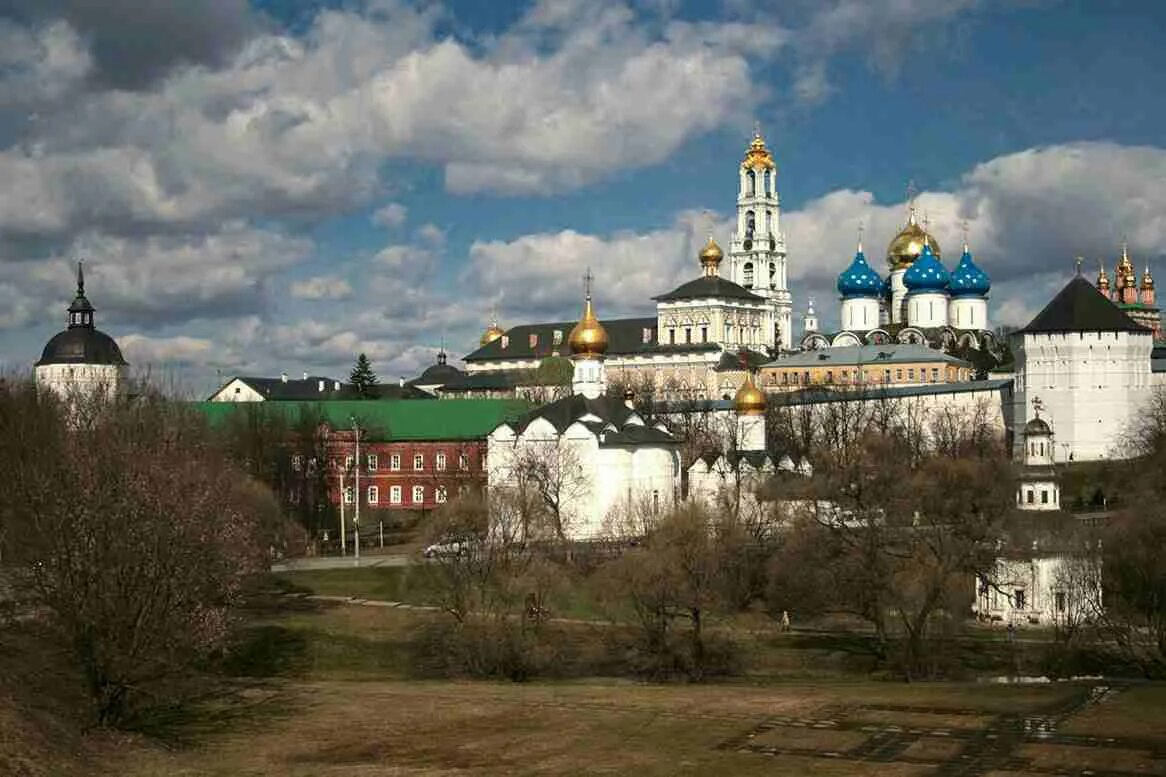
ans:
(356, 518)
(343, 525)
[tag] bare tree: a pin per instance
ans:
(549, 475)
(135, 536)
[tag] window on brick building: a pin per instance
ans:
(348, 495)
(440, 462)
(418, 462)
(347, 463)
(463, 462)
(418, 494)
(395, 462)
(372, 462)
(297, 463)
(395, 495)
(373, 495)
(439, 495)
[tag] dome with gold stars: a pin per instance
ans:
(588, 338)
(757, 155)
(908, 245)
(749, 399)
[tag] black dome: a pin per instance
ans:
(1037, 426)
(81, 345)
(438, 374)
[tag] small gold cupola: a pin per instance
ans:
(710, 257)
(749, 399)
(492, 333)
(1102, 278)
(1147, 280)
(758, 155)
(588, 339)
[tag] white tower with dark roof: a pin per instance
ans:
(81, 361)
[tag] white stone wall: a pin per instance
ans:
(70, 381)
(926, 309)
(860, 314)
(751, 323)
(612, 479)
(1038, 494)
(1090, 383)
(898, 294)
(968, 313)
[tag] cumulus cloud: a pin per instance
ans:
(322, 287)
(163, 279)
(390, 216)
(140, 350)
(1028, 215)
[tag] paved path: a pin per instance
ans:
(343, 562)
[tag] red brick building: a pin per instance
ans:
(403, 474)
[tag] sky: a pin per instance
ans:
(278, 185)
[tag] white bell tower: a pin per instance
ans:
(757, 257)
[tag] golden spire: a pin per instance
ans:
(1147, 279)
(749, 399)
(711, 256)
(1126, 276)
(757, 155)
(588, 338)
(1102, 278)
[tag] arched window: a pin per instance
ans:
(751, 183)
(750, 223)
(768, 180)
(747, 275)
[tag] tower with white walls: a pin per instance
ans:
(860, 287)
(757, 255)
(588, 343)
(968, 288)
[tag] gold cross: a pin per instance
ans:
(587, 279)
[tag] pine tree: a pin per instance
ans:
(362, 377)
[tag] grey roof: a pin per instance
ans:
(81, 345)
(291, 390)
(821, 395)
(709, 286)
(609, 410)
(436, 375)
(493, 380)
(1080, 307)
(873, 355)
(625, 337)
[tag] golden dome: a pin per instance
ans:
(749, 400)
(1147, 279)
(492, 333)
(908, 244)
(588, 338)
(757, 155)
(711, 255)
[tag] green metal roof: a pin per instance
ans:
(407, 419)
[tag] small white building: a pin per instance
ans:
(732, 476)
(589, 458)
(82, 361)
(1039, 487)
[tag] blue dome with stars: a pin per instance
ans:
(927, 273)
(967, 279)
(859, 279)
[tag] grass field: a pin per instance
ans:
(326, 689)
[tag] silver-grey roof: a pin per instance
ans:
(872, 355)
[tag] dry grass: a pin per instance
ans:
(1139, 712)
(484, 729)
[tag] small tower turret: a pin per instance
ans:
(860, 288)
(1040, 487)
(810, 320)
(749, 408)
(588, 343)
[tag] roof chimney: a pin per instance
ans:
(283, 376)
(401, 382)
(336, 385)
(305, 374)
(320, 386)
